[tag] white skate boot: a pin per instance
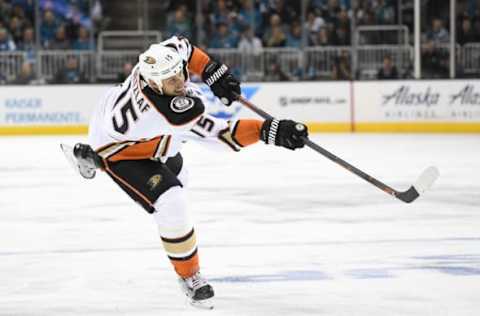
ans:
(198, 291)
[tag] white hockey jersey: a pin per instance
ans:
(132, 114)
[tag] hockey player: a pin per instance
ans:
(137, 132)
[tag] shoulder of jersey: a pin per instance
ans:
(179, 110)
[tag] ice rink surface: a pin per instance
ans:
(280, 233)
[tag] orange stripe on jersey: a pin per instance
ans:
(140, 150)
(247, 132)
(198, 61)
(186, 267)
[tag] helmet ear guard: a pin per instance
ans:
(159, 63)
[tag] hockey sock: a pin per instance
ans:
(183, 254)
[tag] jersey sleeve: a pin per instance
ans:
(195, 57)
(181, 45)
(218, 134)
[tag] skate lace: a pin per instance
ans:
(197, 281)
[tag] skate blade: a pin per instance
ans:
(203, 304)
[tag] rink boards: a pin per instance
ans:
(368, 106)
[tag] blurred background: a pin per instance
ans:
(96, 41)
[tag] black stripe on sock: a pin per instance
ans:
(178, 240)
(185, 258)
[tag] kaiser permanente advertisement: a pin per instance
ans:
(55, 109)
(373, 106)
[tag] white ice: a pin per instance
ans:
(280, 233)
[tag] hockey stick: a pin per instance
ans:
(424, 181)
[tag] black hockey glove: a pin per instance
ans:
(221, 81)
(285, 133)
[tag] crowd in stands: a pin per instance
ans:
(278, 23)
(247, 25)
(64, 25)
(252, 25)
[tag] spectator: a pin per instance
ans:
(313, 25)
(332, 11)
(323, 38)
(343, 19)
(83, 40)
(275, 73)
(100, 22)
(234, 25)
(24, 9)
(222, 39)
(364, 14)
(48, 28)
(388, 70)
(248, 16)
(71, 73)
(126, 70)
(28, 44)
(221, 13)
(342, 37)
(6, 43)
(294, 37)
(5, 11)
(438, 33)
(181, 24)
(16, 27)
(274, 35)
(434, 61)
(28, 40)
(249, 43)
(341, 68)
(341, 33)
(61, 42)
(278, 38)
(273, 20)
(76, 13)
(26, 75)
(287, 11)
(465, 34)
(384, 13)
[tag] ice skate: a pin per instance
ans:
(83, 159)
(198, 291)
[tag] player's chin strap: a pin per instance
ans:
(424, 181)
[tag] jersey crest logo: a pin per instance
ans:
(149, 60)
(154, 181)
(181, 104)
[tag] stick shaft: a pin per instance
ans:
(382, 186)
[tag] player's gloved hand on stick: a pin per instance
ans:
(285, 133)
(221, 81)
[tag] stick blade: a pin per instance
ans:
(426, 179)
(424, 183)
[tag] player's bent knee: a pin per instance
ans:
(171, 213)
